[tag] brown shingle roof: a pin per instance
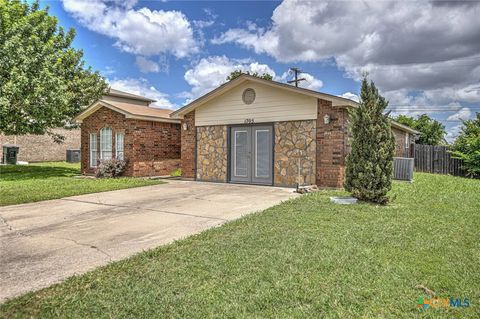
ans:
(140, 110)
(115, 92)
(130, 111)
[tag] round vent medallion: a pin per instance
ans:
(248, 96)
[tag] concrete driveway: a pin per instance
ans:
(43, 243)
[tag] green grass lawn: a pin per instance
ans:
(303, 258)
(35, 182)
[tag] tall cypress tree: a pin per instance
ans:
(370, 161)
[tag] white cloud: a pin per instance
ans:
(143, 88)
(351, 96)
(107, 71)
(453, 132)
(139, 31)
(203, 23)
(211, 72)
(145, 65)
(469, 93)
(310, 82)
(414, 45)
(462, 114)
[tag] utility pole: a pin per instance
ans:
(297, 71)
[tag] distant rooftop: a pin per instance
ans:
(115, 92)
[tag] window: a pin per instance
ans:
(105, 143)
(119, 141)
(93, 150)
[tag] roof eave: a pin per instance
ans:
(404, 127)
(89, 110)
(152, 118)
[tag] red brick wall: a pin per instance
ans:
(41, 148)
(188, 145)
(402, 146)
(331, 145)
(152, 148)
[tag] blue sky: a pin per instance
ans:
(423, 56)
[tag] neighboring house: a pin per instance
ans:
(125, 126)
(256, 131)
(404, 140)
(42, 148)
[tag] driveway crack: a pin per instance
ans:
(85, 245)
(11, 228)
(143, 208)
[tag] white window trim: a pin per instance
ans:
(407, 145)
(93, 149)
(120, 154)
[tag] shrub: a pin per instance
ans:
(370, 161)
(111, 168)
(176, 173)
(467, 146)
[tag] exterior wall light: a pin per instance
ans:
(185, 126)
(326, 119)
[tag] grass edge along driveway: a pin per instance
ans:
(50, 180)
(304, 258)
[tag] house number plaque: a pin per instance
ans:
(249, 121)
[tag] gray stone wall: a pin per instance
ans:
(212, 153)
(295, 152)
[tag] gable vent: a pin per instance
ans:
(248, 96)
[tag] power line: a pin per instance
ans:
(453, 121)
(430, 105)
(428, 110)
(436, 64)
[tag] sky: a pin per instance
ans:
(424, 56)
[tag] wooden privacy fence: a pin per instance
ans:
(437, 159)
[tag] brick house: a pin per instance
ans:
(255, 131)
(125, 126)
(42, 148)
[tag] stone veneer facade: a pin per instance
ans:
(212, 153)
(295, 151)
(322, 149)
(151, 148)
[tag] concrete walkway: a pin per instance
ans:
(43, 243)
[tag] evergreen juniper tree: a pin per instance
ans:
(370, 161)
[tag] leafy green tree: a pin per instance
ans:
(235, 74)
(432, 132)
(467, 146)
(43, 81)
(370, 161)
